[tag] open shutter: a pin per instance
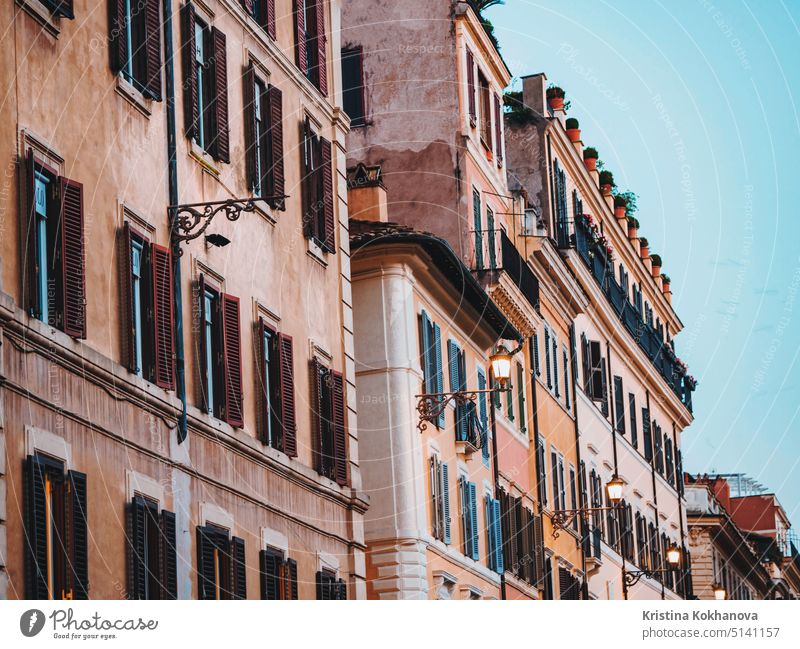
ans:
(498, 536)
(117, 35)
(289, 420)
(536, 364)
(473, 114)
(206, 568)
(290, 576)
(538, 549)
(439, 374)
(446, 502)
(277, 179)
(250, 144)
(137, 549)
(315, 380)
(300, 36)
(78, 535)
(270, 572)
(127, 317)
(555, 367)
(473, 504)
(221, 147)
(322, 52)
(646, 434)
(271, 30)
(339, 420)
(482, 413)
(498, 130)
(547, 358)
(29, 233)
(191, 110)
(632, 410)
(455, 384)
(73, 276)
(238, 569)
(162, 316)
(329, 243)
(425, 353)
(35, 530)
(152, 42)
(232, 360)
(168, 557)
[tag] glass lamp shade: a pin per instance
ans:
(719, 591)
(674, 556)
(614, 489)
(501, 365)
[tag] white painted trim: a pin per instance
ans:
(329, 561)
(273, 539)
(145, 485)
(214, 514)
(43, 441)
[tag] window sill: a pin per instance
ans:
(42, 15)
(134, 97)
(316, 253)
(204, 158)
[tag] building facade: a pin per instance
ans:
(178, 394)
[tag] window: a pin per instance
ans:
(54, 282)
(594, 371)
(522, 539)
(147, 322)
(328, 587)
(205, 85)
(221, 570)
(60, 8)
(311, 42)
(135, 42)
(619, 406)
(220, 354)
(537, 366)
(483, 415)
(485, 97)
(573, 496)
(431, 359)
(669, 460)
(473, 117)
(440, 500)
(632, 411)
(569, 587)
(264, 139)
(498, 131)
(263, 12)
(521, 398)
(492, 239)
(353, 85)
(55, 529)
(152, 553)
(477, 226)
(469, 517)
(646, 434)
(278, 575)
(567, 384)
(458, 382)
(658, 447)
(328, 415)
(560, 204)
(557, 476)
(278, 424)
(494, 534)
(510, 398)
(541, 469)
(556, 386)
(317, 187)
(547, 358)
(547, 586)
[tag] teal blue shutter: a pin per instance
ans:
(466, 518)
(425, 344)
(437, 357)
(498, 537)
(489, 515)
(476, 217)
(446, 501)
(452, 360)
(473, 500)
(483, 415)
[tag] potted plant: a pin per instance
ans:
(620, 206)
(606, 182)
(590, 156)
(656, 261)
(644, 246)
(555, 98)
(633, 227)
(665, 282)
(573, 130)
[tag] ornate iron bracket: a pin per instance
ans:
(632, 577)
(190, 221)
(430, 406)
(561, 519)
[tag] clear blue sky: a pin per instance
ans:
(693, 105)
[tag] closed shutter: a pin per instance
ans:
(300, 36)
(473, 504)
(538, 549)
(238, 569)
(35, 530)
(329, 242)
(547, 358)
(270, 573)
(162, 316)
(498, 130)
(555, 367)
(498, 535)
(73, 276)
(341, 590)
(339, 421)
(466, 517)
(206, 568)
(438, 374)
(619, 405)
(137, 549)
(127, 317)
(221, 144)
(191, 110)
(632, 412)
(648, 439)
(277, 178)
(322, 53)
(152, 43)
(586, 366)
(563, 583)
(446, 503)
(168, 557)
(482, 413)
(597, 371)
(473, 115)
(288, 415)
(290, 576)
(232, 356)
(250, 119)
(536, 364)
(604, 391)
(78, 535)
(117, 35)
(315, 380)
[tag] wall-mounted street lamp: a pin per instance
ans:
(719, 592)
(431, 405)
(562, 519)
(632, 577)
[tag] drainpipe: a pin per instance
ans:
(172, 163)
(584, 525)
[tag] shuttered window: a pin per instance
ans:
(522, 539)
(498, 130)
(619, 405)
(329, 587)
(471, 106)
(55, 276)
(275, 389)
(135, 44)
(60, 8)
(541, 469)
(221, 568)
(278, 575)
(536, 363)
(547, 358)
(329, 418)
(440, 499)
(311, 42)
(521, 399)
(431, 359)
(263, 12)
(646, 434)
(483, 415)
(317, 185)
(469, 517)
(458, 382)
(485, 96)
(353, 89)
(56, 543)
(152, 557)
(477, 226)
(556, 385)
(670, 468)
(632, 412)
(494, 534)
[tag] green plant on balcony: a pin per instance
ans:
(631, 198)
(480, 6)
(666, 279)
(590, 153)
(619, 201)
(515, 110)
(572, 123)
(656, 260)
(607, 178)
(633, 222)
(555, 97)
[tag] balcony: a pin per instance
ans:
(579, 236)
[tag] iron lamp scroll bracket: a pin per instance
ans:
(431, 406)
(632, 577)
(562, 519)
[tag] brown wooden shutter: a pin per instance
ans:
(307, 178)
(238, 569)
(262, 401)
(64, 9)
(473, 114)
(206, 568)
(152, 35)
(498, 130)
(300, 36)
(137, 548)
(538, 549)
(322, 49)
(200, 344)
(288, 415)
(168, 557)
(78, 537)
(290, 575)
(163, 317)
(250, 150)
(339, 421)
(191, 111)
(221, 148)
(270, 571)
(127, 317)
(277, 179)
(73, 270)
(329, 242)
(315, 379)
(29, 233)
(36, 555)
(271, 29)
(232, 358)
(118, 39)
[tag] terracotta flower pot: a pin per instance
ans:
(665, 288)
(656, 271)
(633, 233)
(591, 164)
(574, 134)
(619, 212)
(606, 189)
(644, 252)
(556, 103)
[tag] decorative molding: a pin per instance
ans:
(43, 441)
